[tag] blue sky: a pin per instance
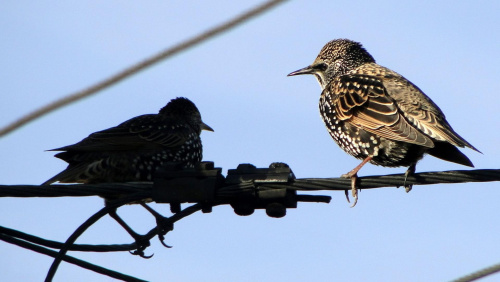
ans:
(238, 81)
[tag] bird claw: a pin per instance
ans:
(409, 172)
(408, 188)
(354, 189)
(347, 195)
(141, 254)
(355, 196)
(162, 241)
(164, 225)
(142, 243)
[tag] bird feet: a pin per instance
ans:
(354, 190)
(142, 243)
(353, 175)
(409, 172)
(163, 224)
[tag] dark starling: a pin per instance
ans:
(377, 115)
(135, 149)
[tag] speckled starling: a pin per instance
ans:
(135, 149)
(377, 115)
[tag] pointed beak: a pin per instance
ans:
(306, 70)
(205, 126)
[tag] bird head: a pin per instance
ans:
(183, 108)
(337, 58)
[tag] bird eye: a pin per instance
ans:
(320, 66)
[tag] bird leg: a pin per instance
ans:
(409, 172)
(163, 224)
(353, 175)
(141, 241)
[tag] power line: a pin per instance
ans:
(245, 188)
(58, 245)
(114, 79)
(70, 259)
(249, 182)
(479, 274)
(93, 219)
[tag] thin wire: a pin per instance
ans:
(58, 245)
(69, 259)
(139, 66)
(8, 235)
(479, 274)
(89, 222)
(94, 218)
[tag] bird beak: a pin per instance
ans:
(306, 70)
(205, 126)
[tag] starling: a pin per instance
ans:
(377, 115)
(135, 149)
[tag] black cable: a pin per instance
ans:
(396, 180)
(75, 190)
(94, 218)
(79, 231)
(58, 245)
(224, 193)
(229, 191)
(70, 259)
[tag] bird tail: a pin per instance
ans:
(448, 152)
(452, 137)
(58, 177)
(72, 174)
(50, 181)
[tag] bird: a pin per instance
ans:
(135, 149)
(377, 115)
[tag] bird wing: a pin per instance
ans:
(363, 101)
(421, 111)
(142, 132)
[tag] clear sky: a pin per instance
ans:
(239, 83)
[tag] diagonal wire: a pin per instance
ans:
(93, 219)
(139, 66)
(479, 274)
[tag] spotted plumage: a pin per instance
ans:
(135, 149)
(376, 115)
